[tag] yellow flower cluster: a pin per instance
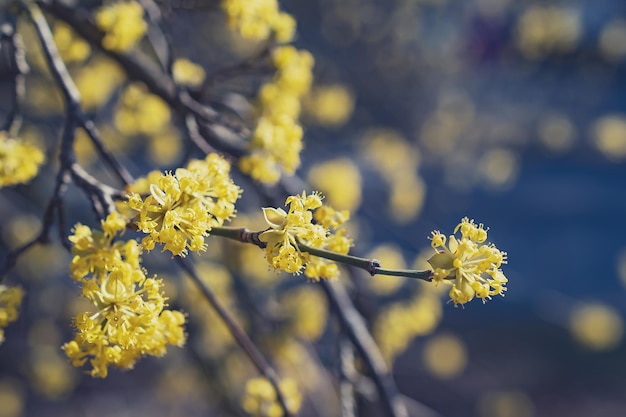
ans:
(473, 265)
(183, 206)
(259, 19)
(19, 162)
(277, 140)
(289, 228)
(130, 320)
(10, 300)
(123, 25)
(260, 400)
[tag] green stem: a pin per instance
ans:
(372, 266)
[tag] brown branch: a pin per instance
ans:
(16, 68)
(139, 67)
(354, 325)
(238, 333)
(72, 95)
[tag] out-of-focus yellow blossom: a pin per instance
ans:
(130, 320)
(398, 163)
(10, 301)
(556, 132)
(609, 134)
(142, 184)
(258, 19)
(399, 324)
(11, 398)
(407, 197)
(122, 24)
(183, 206)
(329, 105)
(506, 404)
(468, 264)
(597, 326)
(287, 228)
(71, 47)
(445, 356)
(613, 40)
(97, 81)
(543, 30)
(165, 147)
(340, 181)
(140, 112)
(20, 229)
(277, 139)
(188, 73)
(19, 161)
(499, 168)
(307, 310)
(51, 375)
(260, 400)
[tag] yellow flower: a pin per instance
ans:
(95, 252)
(182, 207)
(296, 225)
(123, 25)
(473, 265)
(260, 400)
(19, 162)
(130, 319)
(10, 301)
(277, 140)
(129, 322)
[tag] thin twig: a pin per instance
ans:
(71, 93)
(16, 68)
(347, 374)
(238, 334)
(372, 266)
(241, 68)
(355, 327)
(140, 67)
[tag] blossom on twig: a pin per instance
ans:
(470, 265)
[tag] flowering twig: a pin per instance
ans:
(238, 334)
(372, 266)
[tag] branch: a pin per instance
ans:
(139, 67)
(355, 327)
(237, 332)
(16, 68)
(347, 374)
(236, 70)
(372, 266)
(71, 93)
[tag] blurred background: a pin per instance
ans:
(422, 112)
